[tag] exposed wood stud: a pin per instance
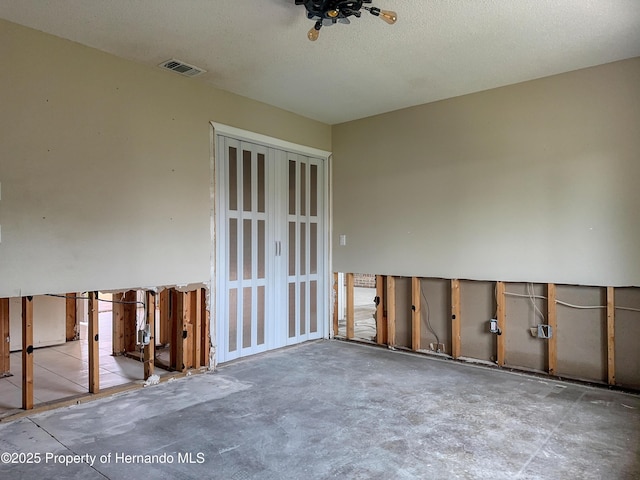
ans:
(71, 317)
(611, 336)
(5, 336)
(350, 307)
(415, 313)
(184, 332)
(27, 353)
(335, 304)
(130, 321)
(391, 311)
(164, 335)
(502, 321)
(381, 321)
(552, 321)
(117, 315)
(455, 318)
(196, 312)
(173, 328)
(93, 343)
(205, 349)
(150, 349)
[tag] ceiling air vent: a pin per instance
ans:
(182, 68)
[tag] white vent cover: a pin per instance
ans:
(182, 68)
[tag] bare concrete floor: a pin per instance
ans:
(332, 409)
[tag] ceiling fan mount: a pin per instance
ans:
(330, 12)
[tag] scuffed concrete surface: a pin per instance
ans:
(336, 410)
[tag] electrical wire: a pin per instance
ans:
(531, 292)
(72, 297)
(571, 305)
(428, 315)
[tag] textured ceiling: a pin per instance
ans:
(438, 49)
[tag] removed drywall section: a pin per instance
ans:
(627, 336)
(522, 349)
(530, 182)
(436, 308)
(582, 333)
(403, 312)
(49, 322)
(478, 306)
(105, 167)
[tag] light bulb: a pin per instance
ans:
(388, 16)
(332, 13)
(313, 34)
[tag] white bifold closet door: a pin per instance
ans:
(270, 248)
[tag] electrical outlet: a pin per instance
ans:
(343, 240)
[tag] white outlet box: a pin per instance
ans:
(343, 240)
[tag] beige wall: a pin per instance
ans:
(104, 167)
(532, 182)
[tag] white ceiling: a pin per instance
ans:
(437, 49)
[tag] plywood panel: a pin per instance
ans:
(627, 357)
(582, 334)
(523, 350)
(478, 304)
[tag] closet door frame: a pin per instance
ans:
(324, 283)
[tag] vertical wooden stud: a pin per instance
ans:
(552, 321)
(150, 349)
(71, 317)
(455, 318)
(611, 336)
(5, 349)
(164, 335)
(205, 349)
(335, 304)
(381, 321)
(93, 344)
(27, 353)
(173, 328)
(415, 313)
(196, 316)
(391, 311)
(350, 307)
(117, 320)
(182, 338)
(130, 321)
(502, 321)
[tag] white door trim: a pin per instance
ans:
(240, 134)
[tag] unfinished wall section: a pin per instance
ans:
(567, 331)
